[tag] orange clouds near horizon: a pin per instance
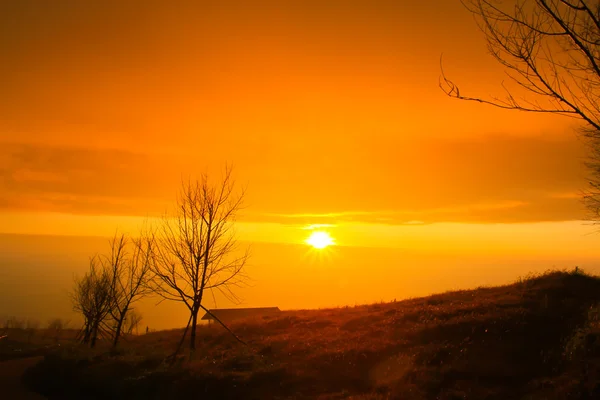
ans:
(493, 179)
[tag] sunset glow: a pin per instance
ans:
(300, 199)
(352, 157)
(319, 240)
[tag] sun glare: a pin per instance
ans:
(319, 240)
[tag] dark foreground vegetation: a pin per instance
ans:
(23, 339)
(538, 338)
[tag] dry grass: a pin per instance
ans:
(526, 340)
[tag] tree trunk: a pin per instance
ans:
(118, 330)
(86, 333)
(94, 334)
(193, 330)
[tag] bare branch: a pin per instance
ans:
(550, 48)
(196, 246)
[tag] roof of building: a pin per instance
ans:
(238, 313)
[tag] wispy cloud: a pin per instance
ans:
(543, 208)
(78, 180)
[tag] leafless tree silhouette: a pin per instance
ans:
(115, 281)
(56, 326)
(15, 323)
(129, 272)
(132, 322)
(196, 247)
(550, 48)
(92, 297)
(32, 327)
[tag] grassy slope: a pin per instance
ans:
(534, 339)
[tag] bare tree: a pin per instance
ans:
(92, 297)
(129, 273)
(197, 249)
(81, 297)
(550, 48)
(15, 323)
(56, 327)
(114, 282)
(132, 322)
(31, 328)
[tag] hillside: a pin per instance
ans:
(534, 339)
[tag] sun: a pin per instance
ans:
(319, 240)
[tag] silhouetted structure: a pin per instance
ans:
(230, 314)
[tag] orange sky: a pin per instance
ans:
(329, 110)
(321, 107)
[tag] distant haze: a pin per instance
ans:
(37, 271)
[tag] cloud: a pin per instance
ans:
(498, 178)
(548, 208)
(329, 113)
(487, 180)
(78, 180)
